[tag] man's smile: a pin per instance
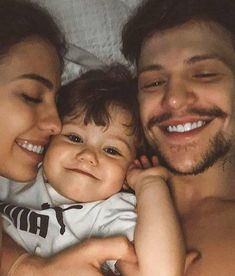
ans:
(185, 127)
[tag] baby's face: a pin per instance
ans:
(88, 162)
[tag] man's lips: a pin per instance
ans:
(181, 132)
(193, 119)
(82, 172)
(183, 126)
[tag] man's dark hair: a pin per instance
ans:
(159, 15)
(20, 19)
(94, 93)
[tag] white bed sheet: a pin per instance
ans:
(93, 28)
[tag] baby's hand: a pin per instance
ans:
(145, 172)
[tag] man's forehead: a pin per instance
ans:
(185, 41)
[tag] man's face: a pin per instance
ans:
(187, 95)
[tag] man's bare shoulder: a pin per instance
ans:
(211, 230)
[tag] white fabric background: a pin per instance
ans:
(94, 26)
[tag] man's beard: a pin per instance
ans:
(218, 149)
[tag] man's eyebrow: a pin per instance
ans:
(189, 61)
(151, 67)
(199, 58)
(38, 78)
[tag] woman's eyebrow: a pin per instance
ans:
(47, 83)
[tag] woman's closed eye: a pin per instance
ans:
(30, 99)
(74, 138)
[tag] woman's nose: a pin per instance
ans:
(50, 121)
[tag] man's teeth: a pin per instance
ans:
(186, 127)
(34, 148)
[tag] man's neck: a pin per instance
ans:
(216, 182)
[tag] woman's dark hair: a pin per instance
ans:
(95, 92)
(159, 15)
(20, 19)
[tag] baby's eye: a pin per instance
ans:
(112, 151)
(74, 138)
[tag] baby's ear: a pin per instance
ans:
(191, 257)
(125, 186)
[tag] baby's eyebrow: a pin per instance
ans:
(118, 138)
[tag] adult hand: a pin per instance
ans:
(84, 259)
(127, 268)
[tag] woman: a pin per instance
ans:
(31, 61)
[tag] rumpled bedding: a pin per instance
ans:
(93, 29)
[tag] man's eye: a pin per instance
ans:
(154, 84)
(112, 151)
(205, 75)
(30, 99)
(74, 138)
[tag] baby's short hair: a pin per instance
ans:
(93, 94)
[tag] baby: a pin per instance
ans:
(81, 188)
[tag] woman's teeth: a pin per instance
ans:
(186, 127)
(30, 147)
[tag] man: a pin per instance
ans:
(185, 56)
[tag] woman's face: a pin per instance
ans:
(29, 79)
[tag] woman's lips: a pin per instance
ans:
(30, 146)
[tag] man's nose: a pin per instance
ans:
(88, 156)
(179, 94)
(49, 120)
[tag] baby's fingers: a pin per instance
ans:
(134, 165)
(163, 173)
(145, 162)
(155, 161)
(158, 171)
(137, 164)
